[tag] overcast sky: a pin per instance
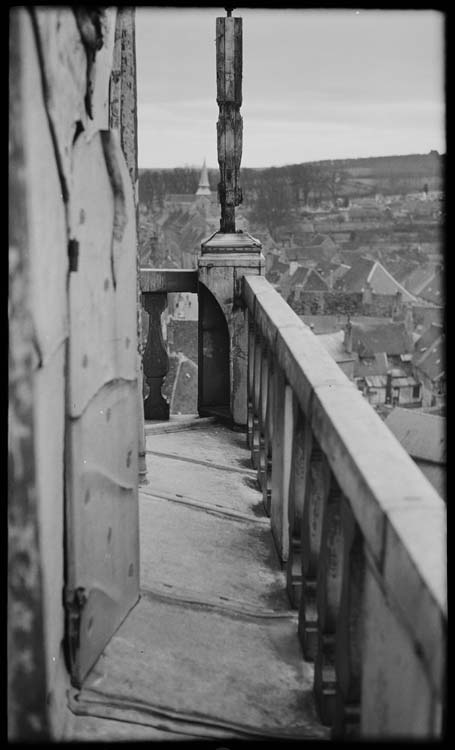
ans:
(321, 84)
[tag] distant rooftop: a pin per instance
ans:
(422, 435)
(386, 336)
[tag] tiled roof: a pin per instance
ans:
(387, 336)
(326, 266)
(417, 279)
(422, 435)
(428, 338)
(299, 276)
(324, 323)
(382, 282)
(306, 228)
(432, 361)
(278, 265)
(319, 239)
(312, 252)
(314, 281)
(433, 290)
(355, 279)
(307, 278)
(333, 343)
(365, 272)
(436, 475)
(376, 381)
(380, 381)
(331, 270)
(364, 369)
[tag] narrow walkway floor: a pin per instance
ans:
(211, 649)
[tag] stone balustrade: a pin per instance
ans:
(360, 529)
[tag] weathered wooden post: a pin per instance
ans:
(230, 124)
(229, 254)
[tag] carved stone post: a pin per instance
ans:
(328, 601)
(263, 399)
(256, 395)
(155, 361)
(227, 255)
(250, 380)
(296, 497)
(268, 437)
(311, 541)
(281, 464)
(349, 646)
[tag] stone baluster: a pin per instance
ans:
(256, 394)
(348, 646)
(328, 601)
(296, 497)
(281, 464)
(250, 380)
(263, 397)
(311, 540)
(155, 360)
(268, 437)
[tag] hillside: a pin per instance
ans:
(280, 189)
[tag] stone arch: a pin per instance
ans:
(214, 356)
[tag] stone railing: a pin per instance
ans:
(359, 527)
(155, 286)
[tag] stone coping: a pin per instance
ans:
(401, 516)
(168, 280)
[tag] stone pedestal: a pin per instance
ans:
(224, 260)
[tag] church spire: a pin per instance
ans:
(204, 184)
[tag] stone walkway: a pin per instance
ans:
(211, 649)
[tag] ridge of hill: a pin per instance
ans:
(307, 183)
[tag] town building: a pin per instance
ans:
(367, 275)
(301, 279)
(428, 363)
(319, 248)
(383, 369)
(203, 197)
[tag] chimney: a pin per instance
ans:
(367, 294)
(397, 312)
(348, 336)
(408, 320)
(388, 388)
